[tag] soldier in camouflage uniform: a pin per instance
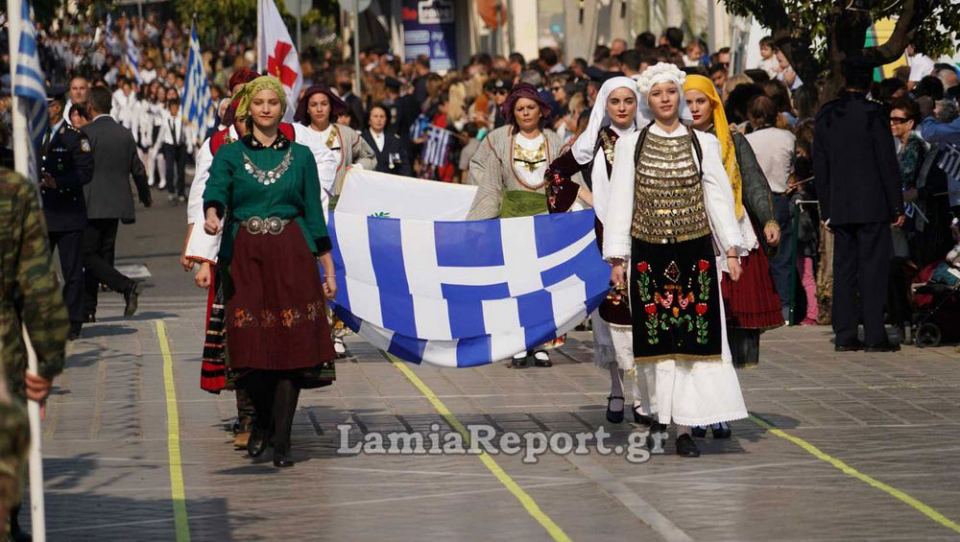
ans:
(29, 296)
(14, 440)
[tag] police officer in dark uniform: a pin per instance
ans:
(858, 184)
(66, 164)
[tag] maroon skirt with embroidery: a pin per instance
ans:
(276, 312)
(752, 302)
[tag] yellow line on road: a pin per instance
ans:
(911, 501)
(177, 492)
(525, 499)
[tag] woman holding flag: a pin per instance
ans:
(509, 169)
(334, 147)
(615, 114)
(671, 218)
(263, 193)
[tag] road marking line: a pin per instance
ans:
(906, 498)
(177, 492)
(640, 508)
(525, 499)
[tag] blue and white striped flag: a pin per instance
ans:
(465, 293)
(949, 161)
(419, 127)
(438, 144)
(29, 87)
(133, 57)
(197, 106)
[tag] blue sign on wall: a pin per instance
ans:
(428, 29)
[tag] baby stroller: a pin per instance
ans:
(936, 302)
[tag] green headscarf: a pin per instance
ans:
(251, 89)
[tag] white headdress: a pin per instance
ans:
(662, 72)
(586, 145)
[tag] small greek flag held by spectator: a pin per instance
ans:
(28, 86)
(133, 57)
(465, 293)
(950, 161)
(196, 104)
(419, 127)
(437, 147)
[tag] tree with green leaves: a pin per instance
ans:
(816, 36)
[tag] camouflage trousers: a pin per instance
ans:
(14, 443)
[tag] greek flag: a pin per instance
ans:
(28, 86)
(419, 127)
(438, 143)
(949, 161)
(465, 293)
(197, 107)
(133, 57)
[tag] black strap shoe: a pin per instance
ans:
(640, 418)
(258, 442)
(721, 430)
(614, 416)
(282, 460)
(686, 447)
(852, 347)
(698, 431)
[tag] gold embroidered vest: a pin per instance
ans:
(668, 198)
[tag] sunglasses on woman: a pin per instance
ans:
(898, 120)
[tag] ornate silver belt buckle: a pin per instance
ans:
(255, 225)
(273, 226)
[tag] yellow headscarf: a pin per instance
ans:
(727, 150)
(249, 90)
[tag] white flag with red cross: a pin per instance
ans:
(278, 56)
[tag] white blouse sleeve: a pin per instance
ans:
(718, 197)
(619, 212)
(195, 202)
(600, 186)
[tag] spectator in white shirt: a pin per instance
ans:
(177, 139)
(775, 150)
(920, 65)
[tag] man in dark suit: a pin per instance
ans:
(858, 183)
(66, 165)
(389, 149)
(109, 200)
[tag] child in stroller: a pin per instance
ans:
(936, 299)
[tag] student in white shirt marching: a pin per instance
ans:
(148, 133)
(124, 107)
(177, 140)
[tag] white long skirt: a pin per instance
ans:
(611, 344)
(692, 392)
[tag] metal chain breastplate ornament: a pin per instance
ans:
(265, 177)
(668, 196)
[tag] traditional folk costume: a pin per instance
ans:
(593, 153)
(670, 209)
(752, 303)
(335, 149)
(278, 339)
(509, 169)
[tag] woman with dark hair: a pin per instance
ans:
(737, 101)
(315, 127)
(389, 149)
(509, 170)
(263, 193)
(778, 92)
(805, 101)
(774, 148)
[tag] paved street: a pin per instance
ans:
(841, 447)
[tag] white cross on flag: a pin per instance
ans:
(278, 56)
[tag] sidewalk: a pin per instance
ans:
(892, 419)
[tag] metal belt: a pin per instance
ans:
(257, 225)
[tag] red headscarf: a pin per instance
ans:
(337, 106)
(528, 91)
(241, 77)
(230, 115)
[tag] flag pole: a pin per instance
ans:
(356, 47)
(260, 36)
(21, 163)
